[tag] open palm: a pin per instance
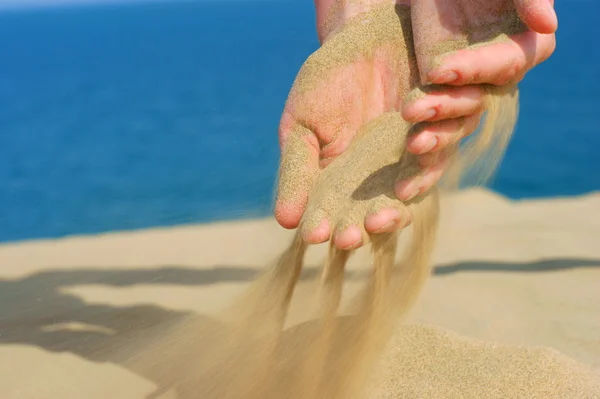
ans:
(362, 71)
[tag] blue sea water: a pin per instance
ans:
(130, 116)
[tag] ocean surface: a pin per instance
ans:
(130, 116)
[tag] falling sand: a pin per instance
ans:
(250, 353)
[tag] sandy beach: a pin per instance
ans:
(509, 278)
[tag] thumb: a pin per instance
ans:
(299, 165)
(539, 15)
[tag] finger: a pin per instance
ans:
(435, 137)
(539, 15)
(387, 219)
(406, 190)
(432, 175)
(444, 102)
(299, 166)
(319, 234)
(498, 63)
(349, 238)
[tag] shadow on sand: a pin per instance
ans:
(33, 309)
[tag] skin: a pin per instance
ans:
(461, 71)
(340, 88)
(452, 109)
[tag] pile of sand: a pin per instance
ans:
(421, 362)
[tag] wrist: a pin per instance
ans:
(333, 14)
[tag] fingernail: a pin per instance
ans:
(444, 77)
(422, 143)
(352, 246)
(386, 226)
(430, 113)
(407, 191)
(412, 195)
(429, 145)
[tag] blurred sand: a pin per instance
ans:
(509, 277)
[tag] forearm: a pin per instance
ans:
(332, 13)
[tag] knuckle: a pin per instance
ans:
(476, 77)
(512, 71)
(515, 67)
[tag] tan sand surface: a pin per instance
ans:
(520, 274)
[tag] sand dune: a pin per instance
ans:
(512, 310)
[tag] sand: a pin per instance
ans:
(508, 278)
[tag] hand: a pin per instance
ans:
(440, 27)
(361, 71)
